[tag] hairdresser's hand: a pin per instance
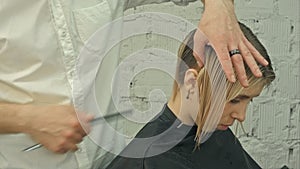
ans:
(56, 127)
(219, 24)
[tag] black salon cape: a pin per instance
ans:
(221, 151)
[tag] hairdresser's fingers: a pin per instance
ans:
(73, 148)
(239, 67)
(199, 61)
(61, 151)
(256, 55)
(222, 52)
(249, 59)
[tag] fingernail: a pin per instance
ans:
(233, 79)
(246, 83)
(266, 63)
(258, 73)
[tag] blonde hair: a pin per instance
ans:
(187, 61)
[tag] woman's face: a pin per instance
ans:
(235, 109)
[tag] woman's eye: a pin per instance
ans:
(234, 101)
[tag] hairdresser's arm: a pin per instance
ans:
(219, 24)
(134, 3)
(55, 127)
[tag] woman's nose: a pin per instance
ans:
(240, 116)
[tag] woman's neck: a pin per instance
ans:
(177, 107)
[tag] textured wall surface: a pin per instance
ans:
(273, 119)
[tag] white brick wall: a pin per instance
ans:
(273, 119)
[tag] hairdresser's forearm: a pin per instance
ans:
(212, 1)
(57, 127)
(11, 120)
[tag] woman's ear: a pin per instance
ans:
(190, 80)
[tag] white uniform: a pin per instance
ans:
(39, 43)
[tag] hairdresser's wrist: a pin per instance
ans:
(213, 1)
(226, 6)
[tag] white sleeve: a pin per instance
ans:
(134, 3)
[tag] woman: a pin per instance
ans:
(189, 133)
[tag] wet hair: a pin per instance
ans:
(186, 61)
